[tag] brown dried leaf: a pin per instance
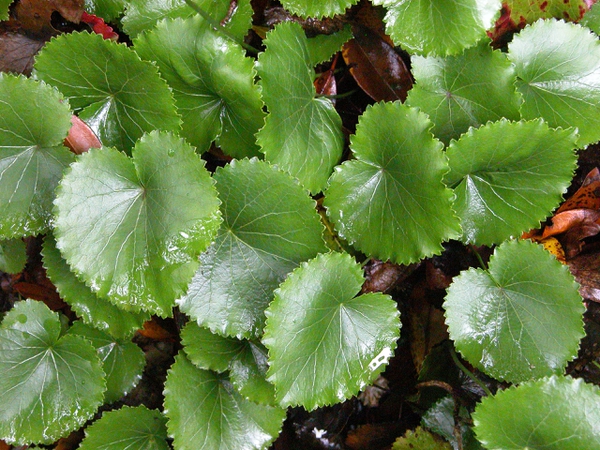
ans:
(382, 276)
(586, 270)
(377, 68)
(17, 51)
(81, 137)
(373, 436)
(567, 220)
(587, 196)
(35, 16)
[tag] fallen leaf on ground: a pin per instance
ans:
(35, 16)
(81, 137)
(586, 270)
(587, 196)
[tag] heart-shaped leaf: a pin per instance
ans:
(324, 343)
(508, 176)
(468, 90)
(122, 361)
(12, 255)
(390, 201)
(561, 414)
(317, 8)
(34, 120)
(519, 320)
(303, 134)
(563, 94)
(50, 384)
(132, 228)
(205, 411)
(438, 27)
(92, 310)
(127, 428)
(264, 236)
(212, 81)
(116, 93)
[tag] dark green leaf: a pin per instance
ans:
(12, 255)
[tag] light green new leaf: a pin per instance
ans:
(317, 8)
(92, 310)
(264, 236)
(438, 27)
(325, 344)
(212, 82)
(122, 361)
(556, 413)
(390, 201)
(519, 320)
(468, 90)
(143, 15)
(109, 10)
(509, 176)
(206, 412)
(560, 82)
(116, 93)
(50, 384)
(132, 228)
(303, 134)
(12, 255)
(34, 120)
(245, 360)
(127, 428)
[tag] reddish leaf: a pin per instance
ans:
(376, 66)
(566, 220)
(153, 330)
(81, 137)
(17, 51)
(98, 26)
(325, 83)
(587, 196)
(373, 436)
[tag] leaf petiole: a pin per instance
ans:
(470, 374)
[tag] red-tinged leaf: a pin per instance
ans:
(566, 220)
(81, 137)
(153, 330)
(98, 26)
(325, 83)
(584, 268)
(377, 68)
(42, 293)
(587, 196)
(373, 436)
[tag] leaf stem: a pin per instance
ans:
(470, 374)
(479, 258)
(218, 27)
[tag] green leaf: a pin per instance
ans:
(50, 384)
(508, 176)
(12, 255)
(127, 428)
(205, 411)
(591, 18)
(34, 120)
(438, 27)
(92, 310)
(302, 134)
(107, 9)
(317, 8)
(324, 343)
(246, 361)
(116, 93)
(323, 46)
(212, 82)
(564, 94)
(122, 361)
(142, 15)
(132, 228)
(264, 236)
(556, 413)
(468, 90)
(420, 439)
(4, 4)
(390, 201)
(519, 320)
(528, 11)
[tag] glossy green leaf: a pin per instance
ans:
(116, 93)
(439, 419)
(205, 411)
(143, 15)
(322, 47)
(122, 361)
(317, 8)
(12, 255)
(519, 320)
(212, 82)
(132, 228)
(438, 27)
(509, 176)
(127, 428)
(420, 439)
(107, 9)
(92, 310)
(50, 384)
(245, 360)
(468, 90)
(591, 19)
(302, 134)
(34, 120)
(325, 344)
(556, 413)
(390, 201)
(563, 94)
(264, 236)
